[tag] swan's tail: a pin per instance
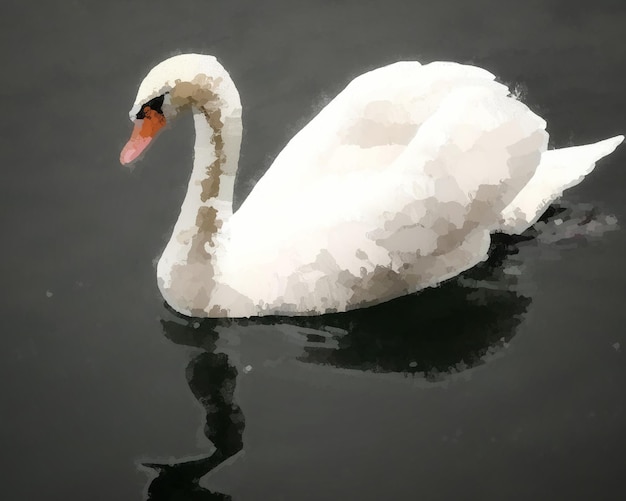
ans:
(557, 171)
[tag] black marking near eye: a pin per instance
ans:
(154, 104)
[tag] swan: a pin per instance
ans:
(395, 186)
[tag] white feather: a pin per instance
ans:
(394, 186)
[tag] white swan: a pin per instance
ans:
(394, 186)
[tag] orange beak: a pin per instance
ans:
(144, 131)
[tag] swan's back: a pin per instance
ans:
(407, 170)
(370, 124)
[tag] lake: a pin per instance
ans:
(505, 383)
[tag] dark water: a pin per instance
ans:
(506, 384)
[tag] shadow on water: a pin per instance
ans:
(431, 334)
(211, 378)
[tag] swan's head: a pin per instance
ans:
(171, 86)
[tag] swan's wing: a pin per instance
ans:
(558, 170)
(472, 151)
(444, 121)
(368, 124)
(466, 162)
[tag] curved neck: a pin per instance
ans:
(212, 180)
(208, 203)
(189, 264)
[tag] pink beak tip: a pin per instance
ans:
(133, 149)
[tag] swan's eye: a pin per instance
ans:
(155, 104)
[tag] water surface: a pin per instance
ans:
(505, 384)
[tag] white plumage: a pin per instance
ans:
(394, 186)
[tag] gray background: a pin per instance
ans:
(90, 380)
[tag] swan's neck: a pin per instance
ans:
(210, 190)
(190, 263)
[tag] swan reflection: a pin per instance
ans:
(211, 378)
(433, 334)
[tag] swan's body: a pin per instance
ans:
(394, 186)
